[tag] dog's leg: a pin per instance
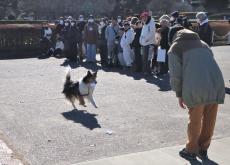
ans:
(81, 101)
(72, 102)
(91, 99)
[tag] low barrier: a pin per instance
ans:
(25, 36)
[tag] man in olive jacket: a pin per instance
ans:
(199, 86)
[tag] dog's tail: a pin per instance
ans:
(68, 78)
(67, 83)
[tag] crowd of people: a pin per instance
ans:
(137, 43)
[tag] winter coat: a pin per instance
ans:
(205, 33)
(148, 33)
(102, 38)
(74, 35)
(195, 75)
(111, 33)
(136, 41)
(91, 33)
(81, 27)
(126, 40)
(59, 29)
(164, 38)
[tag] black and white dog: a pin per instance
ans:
(81, 89)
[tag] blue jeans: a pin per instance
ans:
(91, 52)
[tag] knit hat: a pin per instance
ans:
(144, 14)
(201, 16)
(173, 31)
(175, 14)
(166, 17)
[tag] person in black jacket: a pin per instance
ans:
(102, 42)
(137, 47)
(204, 30)
(164, 44)
(73, 40)
(59, 28)
(81, 25)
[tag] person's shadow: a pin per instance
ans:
(82, 117)
(71, 64)
(163, 82)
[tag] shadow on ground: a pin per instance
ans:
(160, 81)
(82, 117)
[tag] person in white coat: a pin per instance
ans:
(147, 40)
(126, 40)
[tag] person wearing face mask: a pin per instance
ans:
(111, 34)
(204, 29)
(102, 42)
(199, 86)
(66, 38)
(81, 46)
(174, 17)
(147, 40)
(59, 28)
(90, 38)
(126, 41)
(137, 46)
(119, 21)
(46, 42)
(73, 39)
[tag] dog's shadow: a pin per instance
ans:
(82, 117)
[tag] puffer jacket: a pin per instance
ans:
(148, 33)
(194, 74)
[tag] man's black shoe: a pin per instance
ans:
(186, 155)
(203, 155)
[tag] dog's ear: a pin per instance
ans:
(89, 73)
(95, 74)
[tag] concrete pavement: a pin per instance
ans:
(218, 154)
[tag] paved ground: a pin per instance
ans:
(141, 113)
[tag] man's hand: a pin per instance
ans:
(181, 103)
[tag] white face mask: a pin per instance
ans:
(72, 24)
(119, 20)
(61, 22)
(172, 19)
(198, 21)
(91, 20)
(102, 23)
(81, 19)
(66, 24)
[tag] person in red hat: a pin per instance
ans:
(147, 40)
